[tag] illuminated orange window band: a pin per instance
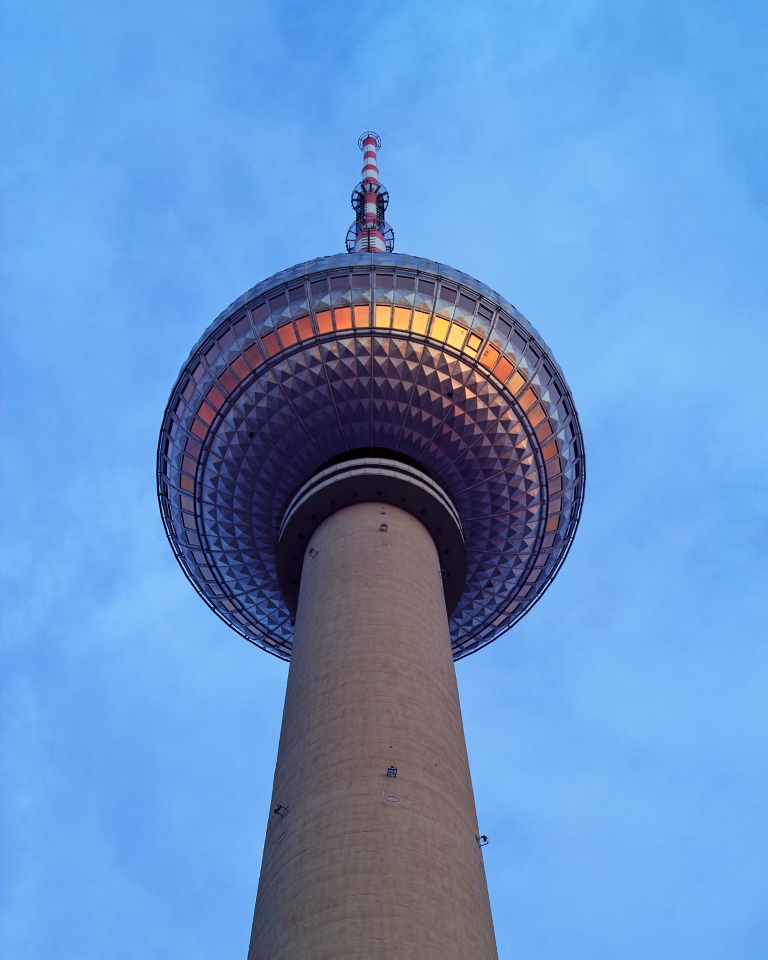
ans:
(384, 316)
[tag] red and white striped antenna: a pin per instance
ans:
(370, 232)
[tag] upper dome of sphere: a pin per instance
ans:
(375, 351)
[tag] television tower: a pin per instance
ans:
(371, 465)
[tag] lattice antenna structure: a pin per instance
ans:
(370, 233)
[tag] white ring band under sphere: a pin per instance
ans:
(371, 480)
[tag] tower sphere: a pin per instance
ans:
(397, 364)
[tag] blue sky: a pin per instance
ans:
(602, 165)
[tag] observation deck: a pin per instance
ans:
(370, 354)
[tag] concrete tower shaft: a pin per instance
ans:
(359, 865)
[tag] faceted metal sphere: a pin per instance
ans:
(370, 352)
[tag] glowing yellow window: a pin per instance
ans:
(304, 326)
(287, 334)
(420, 321)
(456, 335)
(401, 318)
(439, 329)
(473, 344)
(516, 382)
(489, 357)
(528, 399)
(547, 453)
(271, 344)
(383, 315)
(362, 316)
(343, 318)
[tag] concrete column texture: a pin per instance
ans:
(359, 865)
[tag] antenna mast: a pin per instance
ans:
(370, 232)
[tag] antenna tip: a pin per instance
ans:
(367, 135)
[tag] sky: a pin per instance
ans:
(603, 166)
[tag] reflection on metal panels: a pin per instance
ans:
(382, 351)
